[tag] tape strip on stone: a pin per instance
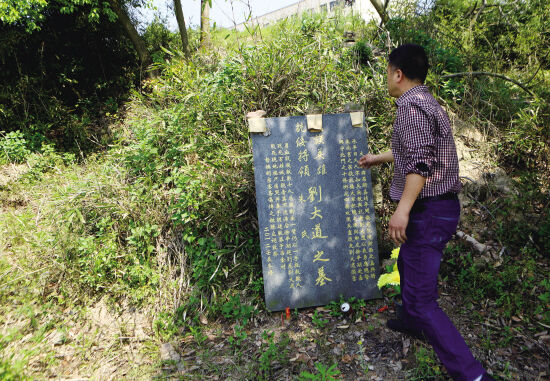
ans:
(357, 118)
(257, 125)
(315, 122)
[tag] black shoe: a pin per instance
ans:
(398, 311)
(399, 326)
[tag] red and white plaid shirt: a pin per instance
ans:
(422, 142)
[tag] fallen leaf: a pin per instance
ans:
(203, 319)
(345, 326)
(406, 346)
(346, 359)
(300, 357)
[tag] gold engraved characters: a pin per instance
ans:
(304, 171)
(280, 237)
(317, 233)
(312, 200)
(319, 257)
(359, 224)
(316, 213)
(322, 278)
(315, 194)
(300, 127)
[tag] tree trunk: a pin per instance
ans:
(205, 23)
(132, 33)
(381, 9)
(182, 28)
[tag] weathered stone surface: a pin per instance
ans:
(316, 214)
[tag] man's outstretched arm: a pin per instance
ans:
(370, 160)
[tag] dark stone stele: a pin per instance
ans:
(317, 224)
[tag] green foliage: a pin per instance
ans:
(355, 304)
(318, 320)
(187, 135)
(31, 13)
(172, 201)
(239, 336)
(442, 58)
(505, 38)
(427, 365)
(165, 326)
(8, 373)
(510, 287)
(12, 11)
(523, 218)
(271, 353)
(363, 52)
(526, 140)
(53, 89)
(47, 160)
(13, 147)
(158, 39)
(324, 373)
(233, 309)
(311, 25)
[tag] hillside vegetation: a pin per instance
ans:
(152, 225)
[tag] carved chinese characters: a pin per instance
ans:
(315, 212)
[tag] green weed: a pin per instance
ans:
(9, 372)
(427, 366)
(233, 309)
(272, 352)
(324, 373)
(318, 320)
(239, 336)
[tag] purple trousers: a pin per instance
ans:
(431, 225)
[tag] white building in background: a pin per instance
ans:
(363, 8)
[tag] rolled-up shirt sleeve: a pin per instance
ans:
(414, 129)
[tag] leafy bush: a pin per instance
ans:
(13, 147)
(442, 58)
(55, 80)
(363, 52)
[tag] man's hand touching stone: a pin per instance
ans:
(369, 160)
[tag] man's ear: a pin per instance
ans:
(399, 75)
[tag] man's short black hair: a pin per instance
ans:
(412, 60)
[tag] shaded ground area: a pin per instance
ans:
(272, 347)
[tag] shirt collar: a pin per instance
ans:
(410, 93)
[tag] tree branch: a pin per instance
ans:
(480, 73)
(536, 72)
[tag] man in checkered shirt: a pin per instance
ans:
(425, 185)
